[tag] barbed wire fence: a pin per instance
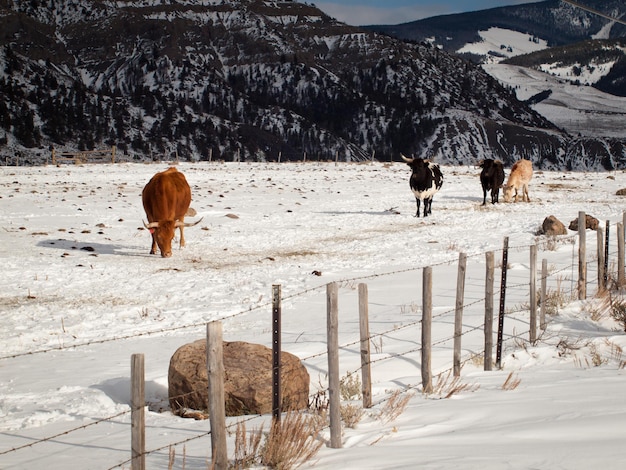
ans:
(605, 269)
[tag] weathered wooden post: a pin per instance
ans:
(217, 405)
(366, 369)
(334, 395)
(533, 295)
(458, 314)
(137, 412)
(276, 350)
(582, 256)
(505, 262)
(427, 319)
(489, 282)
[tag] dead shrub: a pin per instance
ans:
(351, 414)
(292, 441)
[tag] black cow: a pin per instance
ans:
(491, 178)
(426, 179)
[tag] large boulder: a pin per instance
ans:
(590, 223)
(552, 226)
(247, 379)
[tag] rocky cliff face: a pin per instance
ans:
(251, 79)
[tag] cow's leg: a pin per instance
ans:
(153, 250)
(526, 193)
(417, 201)
(494, 195)
(182, 236)
(485, 196)
(427, 206)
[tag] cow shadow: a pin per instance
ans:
(90, 248)
(392, 211)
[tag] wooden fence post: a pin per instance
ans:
(505, 262)
(276, 350)
(489, 281)
(600, 253)
(458, 314)
(364, 328)
(427, 319)
(217, 406)
(533, 295)
(137, 412)
(544, 293)
(334, 396)
(620, 255)
(582, 256)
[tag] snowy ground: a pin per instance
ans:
(80, 294)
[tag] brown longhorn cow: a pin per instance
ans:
(166, 200)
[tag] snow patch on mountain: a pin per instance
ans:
(498, 44)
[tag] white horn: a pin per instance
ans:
(408, 160)
(188, 224)
(150, 225)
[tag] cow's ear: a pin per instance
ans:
(152, 230)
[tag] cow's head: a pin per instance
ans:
(415, 163)
(163, 234)
(486, 163)
(509, 193)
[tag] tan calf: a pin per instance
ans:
(520, 176)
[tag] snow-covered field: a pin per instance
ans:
(79, 294)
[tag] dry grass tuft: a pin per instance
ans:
(511, 382)
(292, 441)
(350, 387)
(618, 311)
(395, 406)
(246, 447)
(448, 386)
(351, 414)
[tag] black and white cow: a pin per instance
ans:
(491, 178)
(426, 179)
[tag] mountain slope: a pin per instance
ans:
(246, 79)
(557, 22)
(601, 63)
